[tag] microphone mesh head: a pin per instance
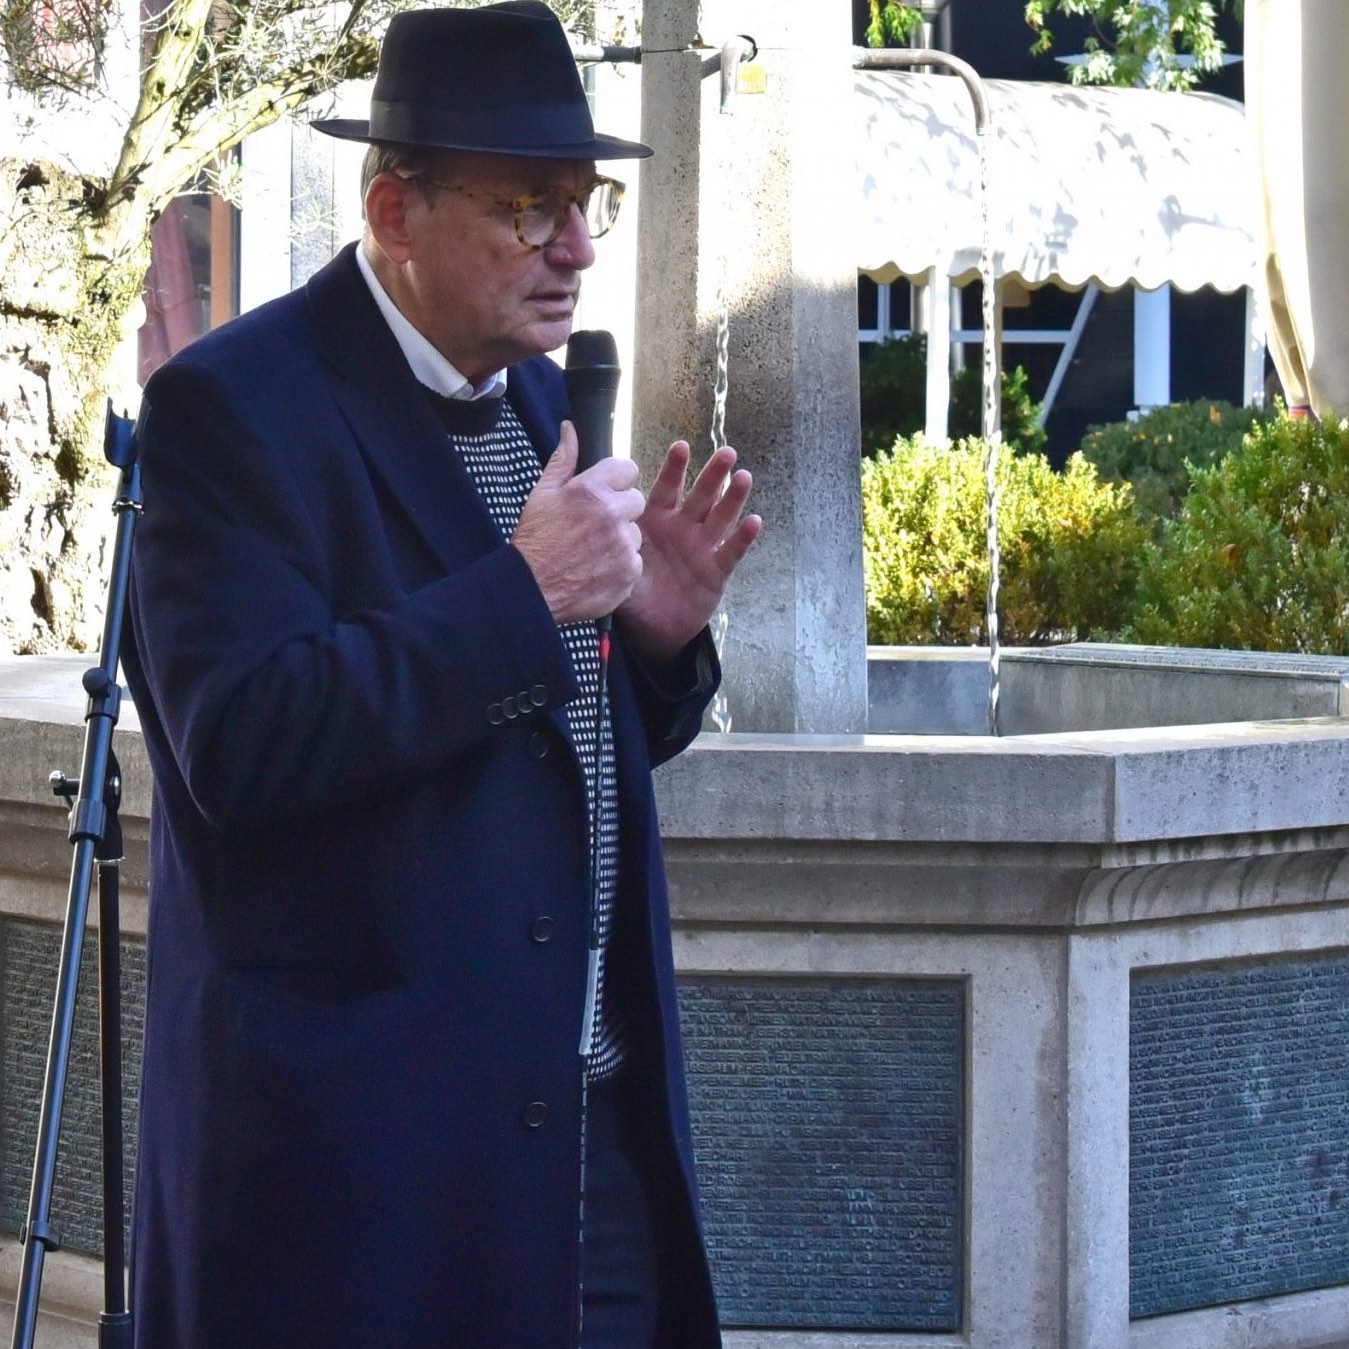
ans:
(590, 347)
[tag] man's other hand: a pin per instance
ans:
(691, 542)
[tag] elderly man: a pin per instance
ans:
(412, 1069)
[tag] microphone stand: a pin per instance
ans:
(96, 833)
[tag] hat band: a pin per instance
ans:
(413, 124)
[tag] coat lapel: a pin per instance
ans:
(391, 418)
(398, 433)
(537, 393)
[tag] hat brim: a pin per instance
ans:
(602, 147)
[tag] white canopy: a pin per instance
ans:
(1088, 184)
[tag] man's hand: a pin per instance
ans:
(691, 543)
(579, 535)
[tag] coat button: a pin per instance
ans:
(537, 745)
(534, 1114)
(538, 695)
(541, 929)
(495, 715)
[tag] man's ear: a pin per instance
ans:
(387, 202)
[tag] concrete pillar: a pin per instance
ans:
(1253, 367)
(767, 192)
(1152, 348)
(938, 302)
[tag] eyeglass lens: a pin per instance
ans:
(544, 216)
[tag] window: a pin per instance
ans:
(193, 282)
(54, 43)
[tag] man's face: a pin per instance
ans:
(467, 283)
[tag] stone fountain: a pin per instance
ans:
(1031, 1041)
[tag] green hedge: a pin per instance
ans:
(1157, 453)
(1258, 558)
(893, 384)
(1070, 547)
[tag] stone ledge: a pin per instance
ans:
(1091, 787)
(1100, 787)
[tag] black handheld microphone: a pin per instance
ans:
(592, 375)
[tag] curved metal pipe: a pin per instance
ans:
(900, 58)
(742, 48)
(897, 59)
(864, 58)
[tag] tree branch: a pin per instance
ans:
(223, 124)
(201, 95)
(169, 72)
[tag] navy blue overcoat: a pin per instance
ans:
(360, 1098)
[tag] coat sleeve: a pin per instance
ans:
(670, 696)
(274, 698)
(673, 697)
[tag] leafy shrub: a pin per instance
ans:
(1070, 546)
(1157, 453)
(891, 23)
(1021, 429)
(893, 382)
(1257, 558)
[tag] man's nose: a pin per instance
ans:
(573, 246)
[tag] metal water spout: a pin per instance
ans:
(726, 62)
(903, 58)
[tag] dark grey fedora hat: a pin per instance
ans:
(499, 80)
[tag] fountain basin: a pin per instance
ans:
(1093, 686)
(1031, 1041)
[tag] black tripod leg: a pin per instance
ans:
(94, 830)
(38, 1236)
(115, 1322)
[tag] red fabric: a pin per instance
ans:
(172, 315)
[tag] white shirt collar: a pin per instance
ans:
(428, 365)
